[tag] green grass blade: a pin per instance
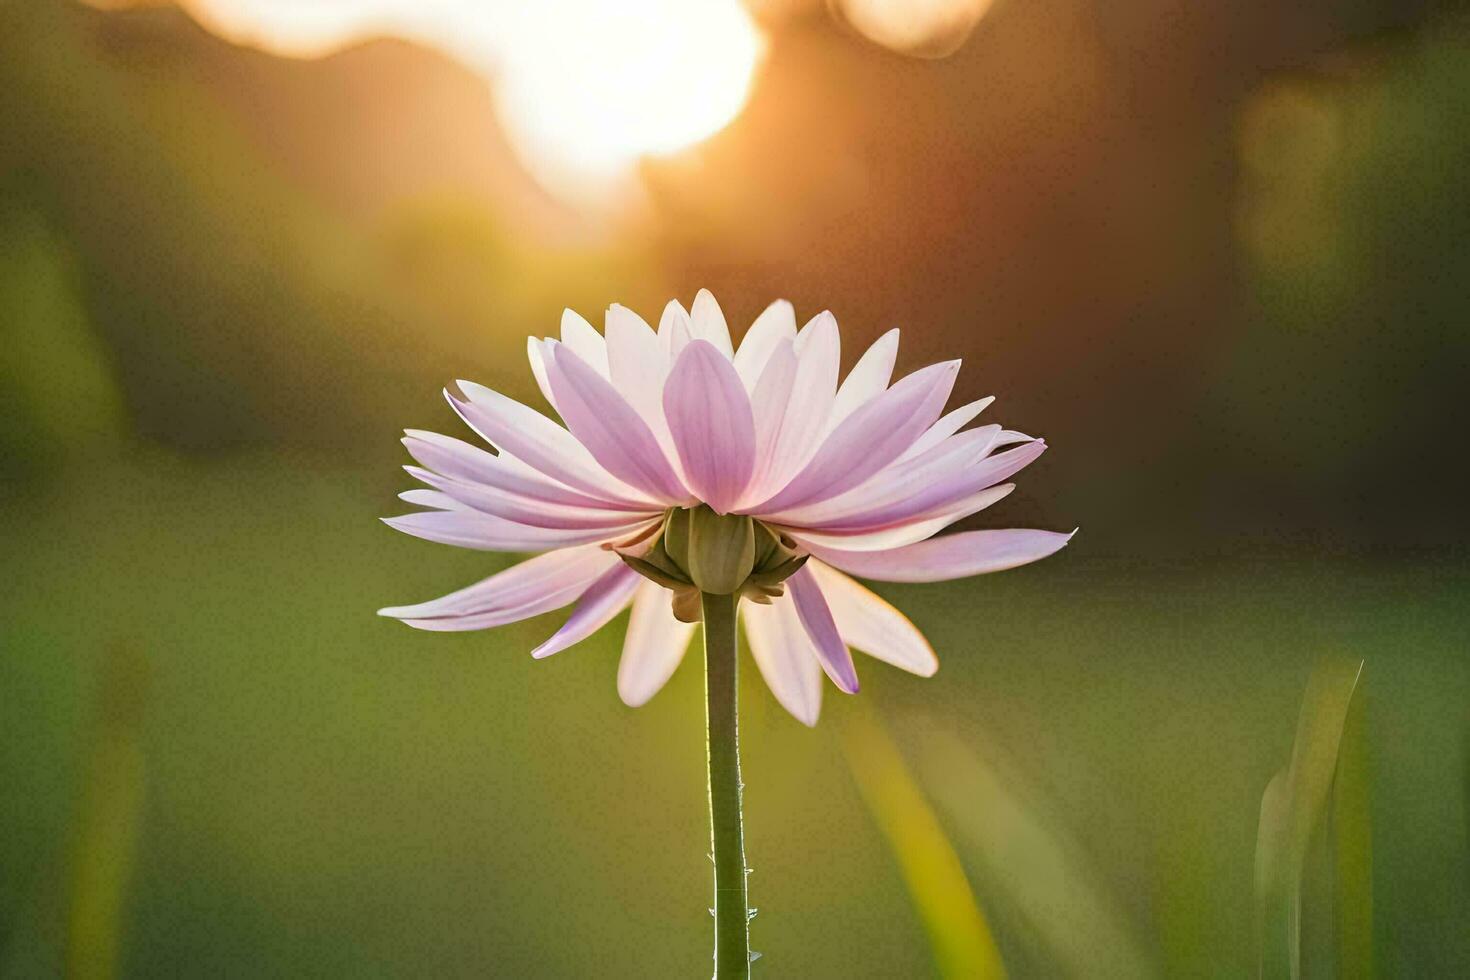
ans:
(1313, 854)
(958, 932)
(1032, 871)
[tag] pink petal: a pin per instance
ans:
(638, 370)
(461, 461)
(804, 416)
(533, 438)
(535, 586)
(870, 624)
(769, 402)
(869, 439)
(898, 482)
(610, 429)
(868, 378)
(582, 339)
(950, 557)
(816, 618)
(710, 417)
(481, 532)
(929, 500)
(707, 322)
(603, 600)
(775, 324)
(654, 645)
(785, 656)
(900, 533)
(946, 427)
(527, 510)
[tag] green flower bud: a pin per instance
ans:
(698, 550)
(720, 554)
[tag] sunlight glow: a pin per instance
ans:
(585, 88)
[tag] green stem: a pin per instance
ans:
(727, 834)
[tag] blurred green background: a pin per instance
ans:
(1219, 255)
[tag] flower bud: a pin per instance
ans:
(698, 550)
(720, 552)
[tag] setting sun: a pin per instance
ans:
(585, 89)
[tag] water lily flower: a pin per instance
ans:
(697, 481)
(824, 480)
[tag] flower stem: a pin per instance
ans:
(727, 834)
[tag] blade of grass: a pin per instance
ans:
(1032, 871)
(958, 932)
(1313, 853)
(108, 821)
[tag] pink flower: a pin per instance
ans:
(855, 478)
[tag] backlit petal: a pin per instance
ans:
(610, 429)
(713, 427)
(816, 619)
(870, 624)
(868, 378)
(582, 338)
(804, 419)
(869, 439)
(947, 426)
(535, 586)
(950, 557)
(673, 331)
(775, 324)
(535, 439)
(603, 600)
(461, 461)
(707, 322)
(785, 656)
(653, 646)
(481, 532)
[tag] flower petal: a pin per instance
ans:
(707, 322)
(940, 495)
(535, 586)
(582, 339)
(869, 439)
(816, 619)
(785, 656)
(462, 461)
(776, 323)
(899, 533)
(535, 439)
(610, 429)
(673, 331)
(899, 482)
(538, 369)
(803, 418)
(870, 624)
(481, 532)
(528, 510)
(712, 424)
(868, 378)
(769, 402)
(950, 557)
(946, 427)
(603, 600)
(653, 646)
